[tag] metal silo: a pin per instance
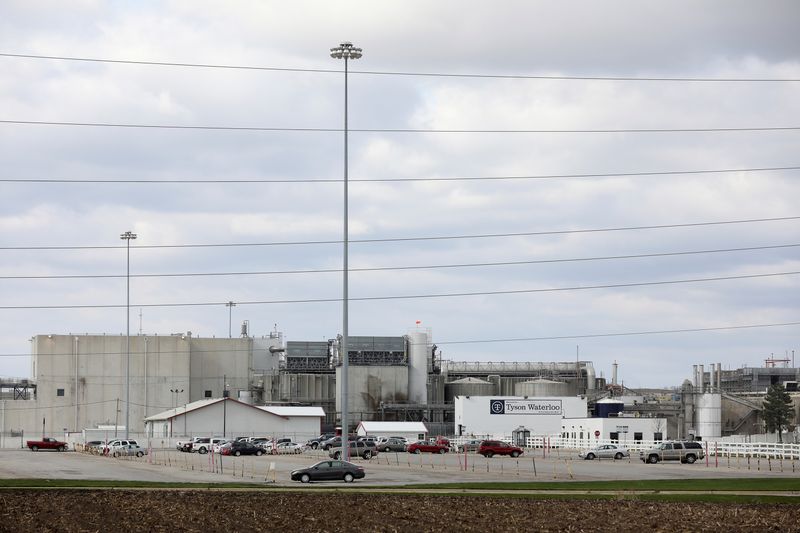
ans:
(418, 350)
(468, 387)
(541, 387)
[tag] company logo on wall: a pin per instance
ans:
(497, 407)
(525, 407)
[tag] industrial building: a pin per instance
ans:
(79, 382)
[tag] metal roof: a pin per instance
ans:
(293, 410)
(388, 427)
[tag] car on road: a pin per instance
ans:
(128, 450)
(469, 446)
(357, 449)
(392, 444)
(242, 448)
(287, 447)
(329, 471)
(490, 448)
(428, 447)
(683, 451)
(605, 451)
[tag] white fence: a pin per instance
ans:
(712, 448)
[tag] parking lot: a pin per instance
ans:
(388, 469)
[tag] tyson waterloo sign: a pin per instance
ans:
(525, 407)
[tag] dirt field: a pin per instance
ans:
(204, 511)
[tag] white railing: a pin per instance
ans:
(712, 448)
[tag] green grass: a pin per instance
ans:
(701, 490)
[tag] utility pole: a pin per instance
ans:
(116, 419)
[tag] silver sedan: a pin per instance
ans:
(605, 451)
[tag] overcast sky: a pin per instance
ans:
(518, 40)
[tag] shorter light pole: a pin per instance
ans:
(230, 306)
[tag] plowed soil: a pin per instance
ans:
(211, 511)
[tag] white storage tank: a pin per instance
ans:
(708, 411)
(418, 350)
(541, 387)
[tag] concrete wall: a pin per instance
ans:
(215, 362)
(91, 371)
(368, 386)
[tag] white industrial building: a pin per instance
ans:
(586, 432)
(499, 416)
(412, 431)
(230, 418)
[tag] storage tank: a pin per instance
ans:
(418, 350)
(468, 387)
(541, 387)
(608, 407)
(708, 411)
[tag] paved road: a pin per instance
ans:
(388, 469)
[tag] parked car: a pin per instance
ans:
(270, 444)
(186, 445)
(683, 451)
(469, 446)
(329, 471)
(490, 448)
(287, 447)
(118, 443)
(47, 443)
(392, 444)
(604, 451)
(316, 441)
(94, 446)
(217, 444)
(242, 448)
(427, 447)
(128, 450)
(357, 449)
(193, 445)
(329, 443)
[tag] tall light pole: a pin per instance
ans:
(230, 306)
(345, 51)
(175, 392)
(127, 237)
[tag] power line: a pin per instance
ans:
(394, 130)
(408, 239)
(412, 296)
(406, 267)
(399, 180)
(395, 73)
(473, 341)
(620, 334)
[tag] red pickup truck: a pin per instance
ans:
(47, 443)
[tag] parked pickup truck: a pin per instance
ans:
(685, 452)
(47, 443)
